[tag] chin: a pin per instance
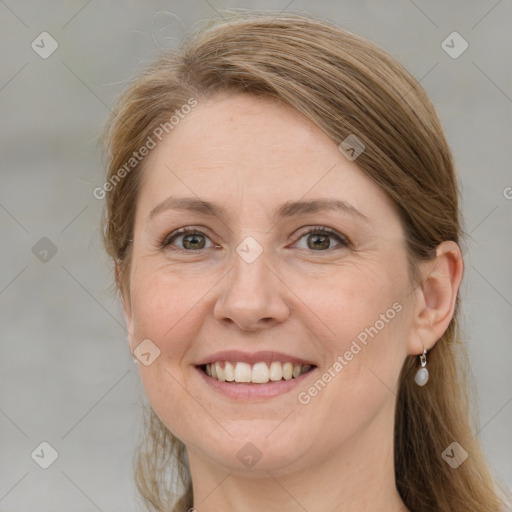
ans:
(254, 449)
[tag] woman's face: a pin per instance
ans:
(260, 280)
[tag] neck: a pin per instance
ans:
(355, 477)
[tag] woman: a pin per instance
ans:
(283, 217)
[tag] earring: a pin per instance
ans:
(421, 377)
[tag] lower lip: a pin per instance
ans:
(248, 391)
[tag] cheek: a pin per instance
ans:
(166, 308)
(363, 314)
(364, 355)
(354, 301)
(168, 311)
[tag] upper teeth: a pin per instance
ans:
(258, 373)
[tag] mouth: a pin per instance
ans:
(253, 376)
(239, 372)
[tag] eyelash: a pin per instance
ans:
(165, 243)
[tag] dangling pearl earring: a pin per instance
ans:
(421, 377)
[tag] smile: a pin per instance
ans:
(258, 373)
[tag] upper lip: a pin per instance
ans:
(265, 356)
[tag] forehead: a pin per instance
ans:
(252, 152)
(244, 131)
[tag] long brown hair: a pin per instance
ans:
(346, 85)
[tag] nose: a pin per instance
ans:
(253, 296)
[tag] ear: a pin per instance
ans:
(436, 296)
(124, 292)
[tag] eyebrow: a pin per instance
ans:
(286, 210)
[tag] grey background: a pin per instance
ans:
(66, 373)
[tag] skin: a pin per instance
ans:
(336, 452)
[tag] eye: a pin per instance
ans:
(319, 238)
(192, 240)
